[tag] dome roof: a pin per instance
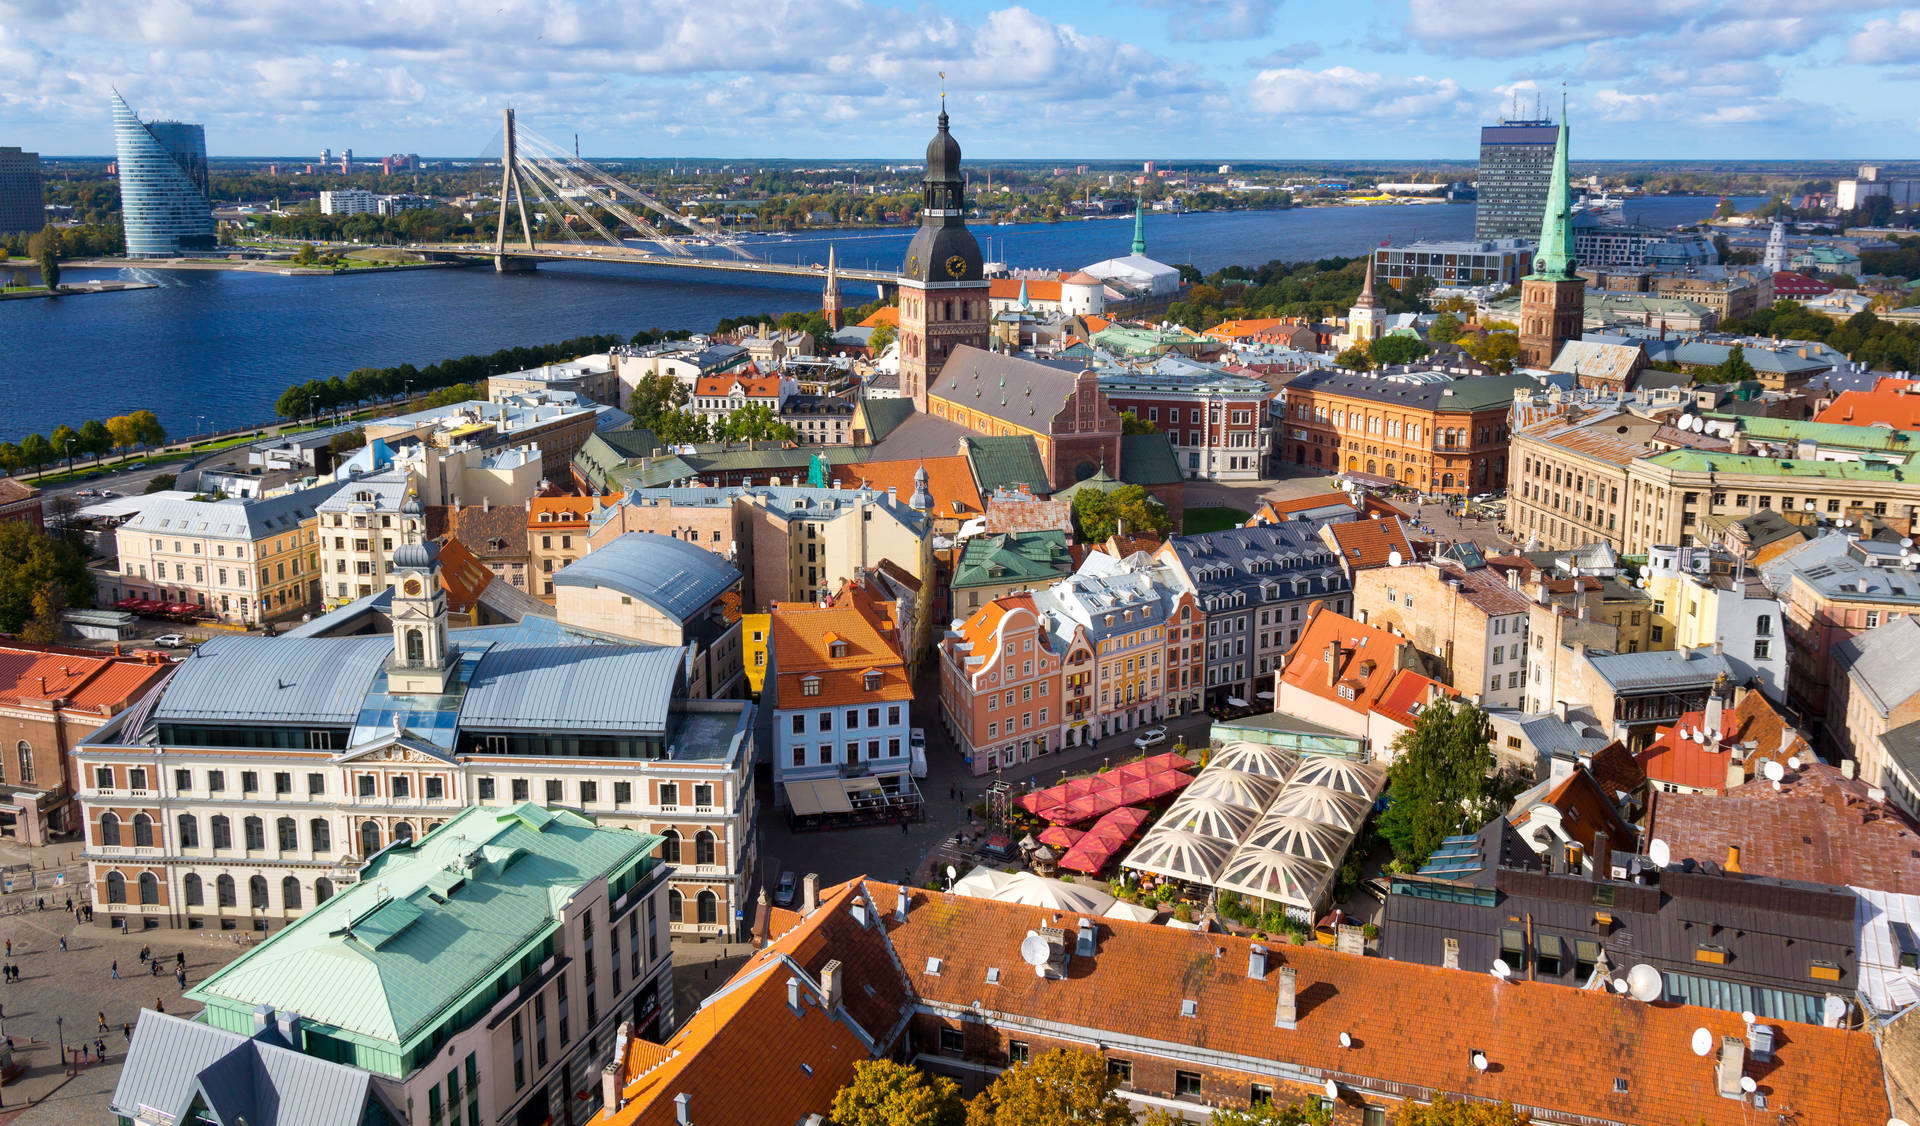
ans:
(411, 506)
(943, 153)
(934, 250)
(415, 556)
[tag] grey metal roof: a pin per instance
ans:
(384, 491)
(1669, 668)
(291, 680)
(598, 688)
(232, 519)
(1481, 392)
(675, 577)
(256, 1081)
(1287, 559)
(1024, 391)
(1881, 662)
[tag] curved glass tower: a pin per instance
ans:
(163, 185)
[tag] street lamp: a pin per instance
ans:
(61, 1024)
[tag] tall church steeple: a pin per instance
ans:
(1776, 259)
(943, 287)
(423, 659)
(1367, 320)
(1139, 226)
(1553, 297)
(830, 306)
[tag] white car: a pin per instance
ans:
(917, 743)
(170, 640)
(1151, 737)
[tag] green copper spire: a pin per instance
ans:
(1139, 226)
(1555, 257)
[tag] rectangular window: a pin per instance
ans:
(553, 791)
(1710, 954)
(1186, 1083)
(183, 780)
(1513, 947)
(436, 789)
(1018, 1051)
(249, 781)
(519, 789)
(486, 789)
(622, 793)
(1547, 950)
(1120, 1071)
(366, 785)
(216, 780)
(952, 1042)
(589, 793)
(402, 786)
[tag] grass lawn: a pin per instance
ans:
(1213, 519)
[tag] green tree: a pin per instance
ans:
(885, 1093)
(1733, 369)
(1396, 349)
(679, 427)
(36, 451)
(653, 396)
(305, 256)
(1441, 781)
(123, 432)
(30, 559)
(756, 422)
(66, 442)
(1099, 514)
(884, 334)
(11, 459)
(50, 266)
(294, 402)
(147, 424)
(43, 628)
(1499, 350)
(159, 483)
(1060, 1088)
(1131, 423)
(1272, 1114)
(1446, 329)
(1444, 1111)
(1355, 359)
(94, 438)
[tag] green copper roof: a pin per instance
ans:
(1695, 461)
(1829, 435)
(1003, 462)
(1555, 259)
(427, 928)
(1139, 227)
(1012, 557)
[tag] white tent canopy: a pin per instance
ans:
(1034, 891)
(1313, 840)
(1233, 787)
(1209, 818)
(1255, 758)
(1267, 874)
(1179, 854)
(1340, 774)
(1330, 807)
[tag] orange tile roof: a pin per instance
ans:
(84, 679)
(884, 315)
(1096, 323)
(1407, 690)
(1551, 1047)
(462, 575)
(1890, 407)
(1687, 761)
(559, 510)
(799, 637)
(1242, 330)
(1362, 544)
(752, 386)
(956, 496)
(1359, 645)
(1008, 289)
(1279, 511)
(1585, 809)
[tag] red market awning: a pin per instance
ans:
(1103, 842)
(1060, 837)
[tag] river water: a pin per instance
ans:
(210, 350)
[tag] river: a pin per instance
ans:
(206, 350)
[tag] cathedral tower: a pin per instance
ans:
(830, 306)
(1553, 298)
(943, 292)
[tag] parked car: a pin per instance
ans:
(917, 742)
(783, 891)
(170, 640)
(1151, 737)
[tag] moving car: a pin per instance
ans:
(783, 891)
(1151, 737)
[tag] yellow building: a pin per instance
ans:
(245, 560)
(753, 648)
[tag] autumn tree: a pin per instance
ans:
(1355, 358)
(1131, 423)
(1259, 1114)
(1060, 1087)
(1444, 1111)
(884, 334)
(30, 560)
(885, 1093)
(1098, 513)
(1499, 350)
(43, 628)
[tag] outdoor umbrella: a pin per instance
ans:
(1059, 836)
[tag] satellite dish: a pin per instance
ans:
(1333, 1089)
(1748, 1085)
(952, 873)
(1773, 770)
(1746, 1015)
(1033, 950)
(1832, 1011)
(1619, 985)
(1346, 1039)
(1702, 1042)
(1501, 970)
(1793, 762)
(1659, 853)
(1644, 983)
(1479, 1061)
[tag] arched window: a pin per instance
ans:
(369, 838)
(222, 831)
(416, 647)
(709, 907)
(322, 834)
(223, 891)
(116, 888)
(673, 906)
(149, 888)
(109, 829)
(26, 762)
(189, 831)
(257, 893)
(196, 894)
(670, 846)
(287, 829)
(256, 830)
(703, 848)
(142, 831)
(290, 893)
(322, 890)
(403, 832)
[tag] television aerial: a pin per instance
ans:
(1702, 1042)
(1644, 983)
(1660, 853)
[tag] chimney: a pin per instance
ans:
(1286, 1011)
(262, 1018)
(681, 1115)
(1736, 772)
(1560, 710)
(610, 1086)
(1332, 659)
(1602, 856)
(1733, 858)
(288, 1025)
(900, 906)
(1257, 962)
(1087, 942)
(1846, 769)
(810, 893)
(830, 979)
(793, 994)
(1730, 1066)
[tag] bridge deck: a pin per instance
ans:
(635, 256)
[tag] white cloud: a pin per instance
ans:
(1343, 92)
(1216, 20)
(1503, 28)
(1895, 40)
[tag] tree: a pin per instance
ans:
(50, 266)
(49, 598)
(1272, 1114)
(148, 425)
(1444, 1111)
(653, 396)
(883, 336)
(346, 442)
(305, 255)
(1396, 349)
(123, 432)
(66, 442)
(1733, 369)
(94, 438)
(1355, 359)
(1441, 781)
(679, 427)
(1498, 350)
(11, 460)
(885, 1093)
(159, 483)
(1131, 423)
(1060, 1087)
(756, 422)
(1446, 329)
(36, 451)
(29, 560)
(1099, 513)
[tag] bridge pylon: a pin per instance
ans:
(511, 187)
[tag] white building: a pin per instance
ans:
(1849, 194)
(349, 201)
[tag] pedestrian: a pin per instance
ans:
(41, 905)
(69, 902)
(100, 1049)
(116, 977)
(9, 948)
(126, 1030)
(182, 978)
(153, 968)
(180, 959)
(63, 944)
(159, 1006)
(103, 1020)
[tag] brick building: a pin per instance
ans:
(1446, 438)
(1219, 424)
(1059, 405)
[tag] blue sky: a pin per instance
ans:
(1135, 79)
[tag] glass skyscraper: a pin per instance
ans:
(1516, 161)
(163, 185)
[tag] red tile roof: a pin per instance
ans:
(752, 386)
(1365, 664)
(956, 496)
(1586, 809)
(1406, 691)
(462, 575)
(84, 679)
(1008, 289)
(1361, 544)
(884, 315)
(1817, 827)
(1891, 407)
(559, 510)
(802, 638)
(1686, 761)
(1244, 329)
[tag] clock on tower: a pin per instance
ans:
(423, 661)
(943, 286)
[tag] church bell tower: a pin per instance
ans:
(1553, 298)
(943, 291)
(423, 661)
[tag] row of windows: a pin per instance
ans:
(253, 833)
(823, 721)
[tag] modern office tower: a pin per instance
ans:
(22, 205)
(1516, 161)
(163, 185)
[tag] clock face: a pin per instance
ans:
(913, 263)
(956, 266)
(412, 587)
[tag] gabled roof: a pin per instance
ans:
(677, 578)
(1001, 462)
(750, 386)
(1614, 363)
(492, 531)
(86, 680)
(1027, 393)
(1897, 408)
(236, 519)
(1028, 558)
(1585, 808)
(802, 636)
(1363, 665)
(1408, 694)
(1361, 544)
(1880, 662)
(257, 1081)
(956, 496)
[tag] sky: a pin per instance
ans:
(1121, 79)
